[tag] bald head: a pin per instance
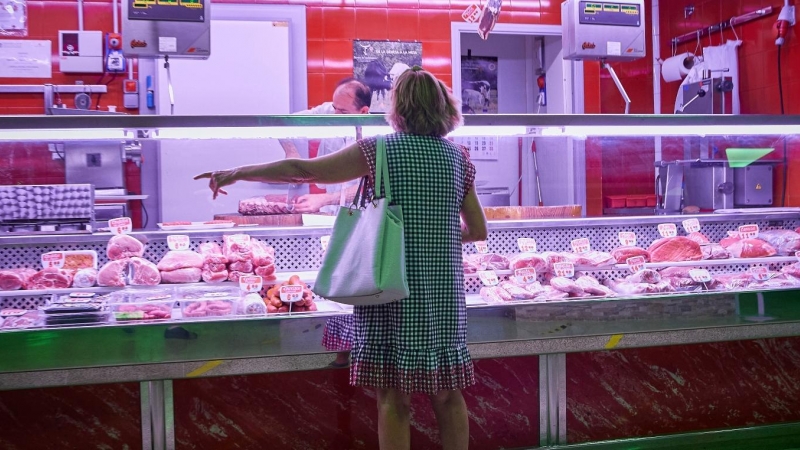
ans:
(351, 97)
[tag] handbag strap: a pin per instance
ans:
(382, 169)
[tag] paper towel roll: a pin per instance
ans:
(676, 67)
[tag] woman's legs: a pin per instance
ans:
(451, 414)
(394, 419)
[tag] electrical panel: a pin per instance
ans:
(80, 51)
(174, 28)
(611, 31)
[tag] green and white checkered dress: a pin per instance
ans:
(420, 344)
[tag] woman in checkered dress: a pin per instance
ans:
(417, 344)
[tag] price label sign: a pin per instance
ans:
(13, 312)
(250, 283)
(526, 275)
(53, 259)
(488, 277)
(481, 247)
(667, 230)
(635, 263)
(700, 275)
(748, 231)
(472, 13)
(760, 273)
(324, 241)
(240, 239)
(291, 293)
(627, 238)
(555, 259)
(122, 225)
(178, 242)
(691, 225)
(527, 245)
(564, 269)
(580, 245)
(81, 295)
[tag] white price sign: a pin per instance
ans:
(691, 225)
(748, 231)
(527, 245)
(635, 263)
(700, 275)
(488, 277)
(627, 238)
(472, 13)
(667, 230)
(526, 275)
(53, 259)
(481, 247)
(580, 245)
(122, 225)
(250, 283)
(291, 293)
(81, 295)
(564, 269)
(760, 273)
(324, 241)
(178, 242)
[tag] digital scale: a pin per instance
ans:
(172, 28)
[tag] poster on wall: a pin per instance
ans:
(478, 85)
(379, 63)
(25, 58)
(13, 18)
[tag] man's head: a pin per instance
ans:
(351, 97)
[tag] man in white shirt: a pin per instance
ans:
(350, 97)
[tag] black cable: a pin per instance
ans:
(146, 216)
(785, 150)
(97, 102)
(99, 94)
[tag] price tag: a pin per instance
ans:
(122, 225)
(250, 283)
(526, 275)
(627, 238)
(240, 239)
(635, 263)
(481, 247)
(564, 269)
(178, 242)
(580, 245)
(323, 241)
(760, 273)
(472, 13)
(81, 295)
(13, 312)
(700, 275)
(291, 293)
(53, 259)
(748, 231)
(488, 277)
(555, 259)
(527, 245)
(667, 230)
(691, 225)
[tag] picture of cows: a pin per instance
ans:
(379, 63)
(478, 85)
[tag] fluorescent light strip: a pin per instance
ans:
(255, 132)
(62, 135)
(670, 130)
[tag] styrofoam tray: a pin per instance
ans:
(196, 226)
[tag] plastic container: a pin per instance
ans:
(651, 201)
(209, 306)
(143, 310)
(211, 290)
(74, 313)
(20, 319)
(79, 259)
(615, 201)
(636, 201)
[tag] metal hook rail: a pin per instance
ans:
(733, 21)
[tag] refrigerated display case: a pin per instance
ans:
(739, 297)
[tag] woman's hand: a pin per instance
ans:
(218, 179)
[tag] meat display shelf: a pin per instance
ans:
(718, 262)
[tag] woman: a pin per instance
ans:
(417, 344)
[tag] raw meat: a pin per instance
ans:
(215, 267)
(698, 237)
(84, 278)
(214, 277)
(208, 308)
(185, 275)
(212, 253)
(649, 276)
(180, 259)
(524, 260)
(676, 248)
(237, 250)
(621, 254)
(735, 281)
(241, 266)
(516, 292)
(263, 254)
(786, 242)
(50, 278)
(534, 288)
(492, 261)
(714, 251)
(552, 258)
(264, 205)
(551, 293)
(266, 272)
(124, 246)
(590, 259)
(590, 285)
(470, 263)
(113, 273)
(628, 288)
(234, 275)
(13, 279)
(495, 294)
(793, 270)
(751, 248)
(680, 272)
(564, 284)
(144, 273)
(728, 241)
(778, 281)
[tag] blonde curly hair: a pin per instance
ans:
(422, 104)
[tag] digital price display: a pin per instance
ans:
(167, 10)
